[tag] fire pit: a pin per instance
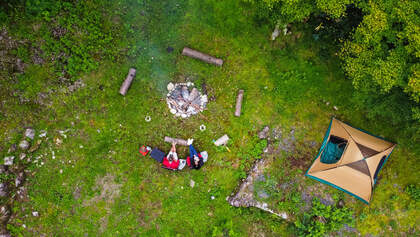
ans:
(185, 100)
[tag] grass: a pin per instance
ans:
(287, 84)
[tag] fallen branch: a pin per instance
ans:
(128, 80)
(239, 103)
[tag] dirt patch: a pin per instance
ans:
(109, 191)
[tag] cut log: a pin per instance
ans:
(202, 56)
(222, 140)
(239, 103)
(128, 80)
(181, 142)
(193, 94)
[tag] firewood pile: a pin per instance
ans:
(185, 100)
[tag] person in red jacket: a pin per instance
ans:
(171, 160)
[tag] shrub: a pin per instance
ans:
(323, 219)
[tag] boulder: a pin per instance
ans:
(30, 133)
(8, 160)
(24, 145)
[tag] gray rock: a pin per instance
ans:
(262, 194)
(192, 183)
(24, 145)
(12, 148)
(20, 179)
(8, 160)
(327, 200)
(3, 190)
(35, 213)
(264, 133)
(261, 178)
(30, 133)
(2, 169)
(22, 156)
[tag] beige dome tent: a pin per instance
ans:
(350, 160)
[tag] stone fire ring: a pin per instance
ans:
(184, 100)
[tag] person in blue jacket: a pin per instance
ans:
(195, 160)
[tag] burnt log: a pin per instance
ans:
(128, 80)
(181, 142)
(202, 56)
(239, 103)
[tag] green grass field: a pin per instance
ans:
(107, 189)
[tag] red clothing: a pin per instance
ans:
(173, 165)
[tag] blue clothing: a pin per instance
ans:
(193, 152)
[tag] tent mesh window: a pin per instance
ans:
(379, 167)
(361, 166)
(366, 151)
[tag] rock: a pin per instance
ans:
(173, 111)
(3, 190)
(24, 145)
(262, 194)
(264, 133)
(8, 160)
(30, 133)
(185, 93)
(42, 133)
(35, 146)
(12, 148)
(58, 141)
(275, 33)
(4, 214)
(2, 169)
(328, 200)
(340, 203)
(170, 86)
(20, 179)
(192, 183)
(284, 215)
(35, 213)
(22, 156)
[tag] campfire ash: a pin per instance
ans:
(185, 100)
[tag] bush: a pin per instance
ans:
(413, 191)
(323, 219)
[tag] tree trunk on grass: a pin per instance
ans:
(239, 103)
(202, 56)
(181, 142)
(128, 80)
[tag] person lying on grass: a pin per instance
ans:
(194, 161)
(171, 160)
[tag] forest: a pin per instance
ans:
(69, 142)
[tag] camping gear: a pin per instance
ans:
(128, 80)
(202, 56)
(333, 150)
(182, 163)
(239, 103)
(356, 170)
(223, 140)
(157, 155)
(144, 150)
(205, 155)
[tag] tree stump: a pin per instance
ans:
(202, 56)
(239, 103)
(128, 80)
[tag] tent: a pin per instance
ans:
(350, 160)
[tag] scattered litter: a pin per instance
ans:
(148, 118)
(35, 213)
(81, 146)
(61, 171)
(192, 183)
(212, 197)
(335, 107)
(202, 127)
